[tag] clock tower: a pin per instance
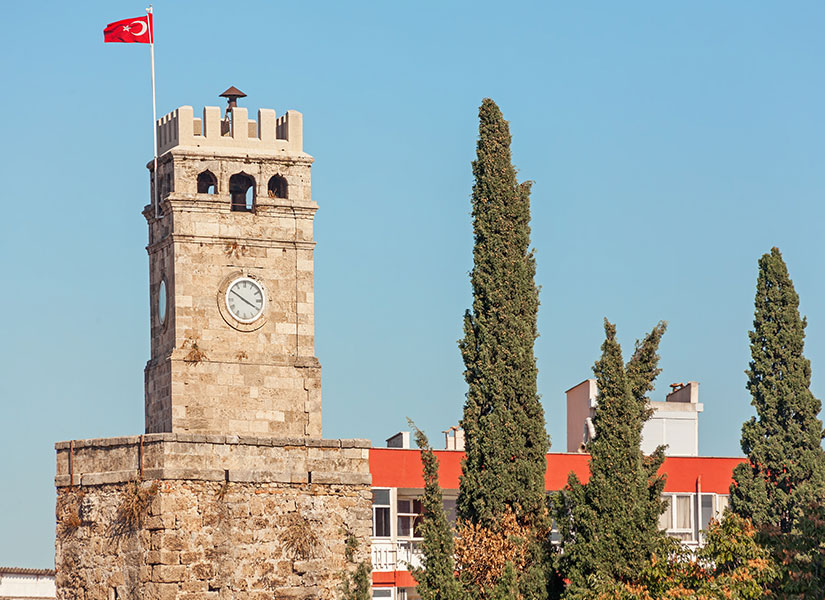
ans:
(231, 276)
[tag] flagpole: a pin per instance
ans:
(155, 175)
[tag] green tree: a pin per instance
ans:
(609, 525)
(505, 436)
(357, 585)
(785, 470)
(801, 555)
(732, 565)
(436, 576)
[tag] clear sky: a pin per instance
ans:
(671, 144)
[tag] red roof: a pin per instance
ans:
(394, 467)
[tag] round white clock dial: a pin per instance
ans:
(162, 302)
(245, 299)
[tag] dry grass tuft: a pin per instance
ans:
(134, 504)
(221, 493)
(70, 517)
(299, 537)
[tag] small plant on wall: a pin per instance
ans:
(195, 354)
(134, 504)
(299, 537)
(70, 517)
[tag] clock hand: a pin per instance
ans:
(244, 299)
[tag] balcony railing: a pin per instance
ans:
(388, 555)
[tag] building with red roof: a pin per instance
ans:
(697, 487)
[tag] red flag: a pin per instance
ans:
(130, 31)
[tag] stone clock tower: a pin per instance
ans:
(231, 276)
(232, 493)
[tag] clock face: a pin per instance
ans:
(245, 299)
(162, 302)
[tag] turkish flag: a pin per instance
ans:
(130, 31)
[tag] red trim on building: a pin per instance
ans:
(393, 578)
(398, 468)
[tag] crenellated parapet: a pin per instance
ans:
(270, 134)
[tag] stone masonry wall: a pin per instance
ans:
(260, 377)
(224, 517)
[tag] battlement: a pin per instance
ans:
(268, 135)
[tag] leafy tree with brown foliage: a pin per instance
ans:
(483, 554)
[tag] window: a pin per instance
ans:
(666, 518)
(449, 510)
(381, 593)
(381, 513)
(277, 187)
(682, 520)
(677, 519)
(708, 511)
(207, 183)
(242, 192)
(409, 518)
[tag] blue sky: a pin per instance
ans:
(671, 144)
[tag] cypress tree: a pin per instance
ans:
(505, 436)
(609, 525)
(785, 470)
(436, 577)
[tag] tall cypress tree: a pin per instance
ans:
(785, 471)
(609, 525)
(505, 436)
(436, 577)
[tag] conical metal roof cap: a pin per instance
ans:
(233, 92)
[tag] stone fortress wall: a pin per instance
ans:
(219, 520)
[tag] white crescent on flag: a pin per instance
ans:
(142, 31)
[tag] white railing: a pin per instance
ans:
(388, 555)
(383, 555)
(409, 555)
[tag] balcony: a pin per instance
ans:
(388, 555)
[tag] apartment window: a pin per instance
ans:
(381, 593)
(449, 510)
(666, 518)
(713, 507)
(381, 513)
(677, 519)
(409, 518)
(708, 511)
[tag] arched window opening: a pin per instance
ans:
(207, 183)
(277, 187)
(242, 191)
